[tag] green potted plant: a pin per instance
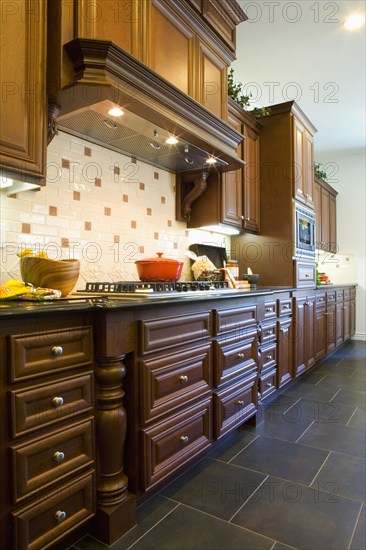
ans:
(235, 91)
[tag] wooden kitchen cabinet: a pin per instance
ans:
(284, 341)
(23, 137)
(320, 332)
(326, 217)
(331, 320)
(189, 44)
(303, 174)
(48, 446)
(304, 330)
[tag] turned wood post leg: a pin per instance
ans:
(111, 424)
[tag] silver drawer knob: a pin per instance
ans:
(283, 329)
(269, 385)
(57, 351)
(57, 401)
(240, 403)
(268, 357)
(183, 378)
(268, 309)
(241, 355)
(60, 516)
(184, 438)
(247, 219)
(58, 456)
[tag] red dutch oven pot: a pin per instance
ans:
(159, 269)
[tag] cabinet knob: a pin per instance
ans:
(286, 307)
(58, 456)
(183, 379)
(247, 219)
(241, 355)
(269, 384)
(326, 314)
(268, 309)
(268, 357)
(57, 351)
(184, 438)
(60, 516)
(240, 403)
(242, 217)
(57, 401)
(283, 329)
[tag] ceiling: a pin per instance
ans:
(301, 50)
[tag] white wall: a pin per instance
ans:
(351, 227)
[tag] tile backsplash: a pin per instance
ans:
(101, 207)
(340, 267)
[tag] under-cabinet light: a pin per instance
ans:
(115, 111)
(172, 140)
(220, 229)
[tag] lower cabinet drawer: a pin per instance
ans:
(235, 357)
(47, 404)
(267, 383)
(51, 458)
(347, 294)
(234, 405)
(43, 524)
(169, 444)
(173, 380)
(268, 356)
(267, 332)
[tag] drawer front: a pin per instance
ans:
(267, 384)
(235, 358)
(238, 319)
(159, 334)
(284, 307)
(347, 294)
(50, 403)
(305, 274)
(267, 332)
(339, 295)
(169, 444)
(270, 309)
(43, 353)
(173, 380)
(353, 293)
(320, 299)
(331, 297)
(52, 458)
(268, 357)
(42, 525)
(235, 405)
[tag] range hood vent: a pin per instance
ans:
(153, 109)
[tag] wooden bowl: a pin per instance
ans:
(57, 274)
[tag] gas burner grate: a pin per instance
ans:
(153, 287)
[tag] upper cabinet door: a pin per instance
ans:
(251, 180)
(232, 186)
(23, 84)
(303, 163)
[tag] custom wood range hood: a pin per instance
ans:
(103, 76)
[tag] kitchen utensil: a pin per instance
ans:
(46, 273)
(159, 269)
(252, 278)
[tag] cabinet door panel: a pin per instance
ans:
(213, 94)
(232, 198)
(298, 159)
(285, 352)
(251, 180)
(236, 319)
(309, 169)
(325, 222)
(300, 337)
(320, 332)
(332, 224)
(331, 327)
(23, 113)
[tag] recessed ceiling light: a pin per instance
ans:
(115, 111)
(354, 21)
(211, 160)
(172, 140)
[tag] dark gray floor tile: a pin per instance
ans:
(351, 397)
(313, 392)
(359, 538)
(300, 516)
(188, 529)
(232, 445)
(358, 419)
(280, 546)
(321, 411)
(313, 377)
(214, 487)
(148, 515)
(335, 437)
(337, 382)
(343, 475)
(282, 458)
(287, 426)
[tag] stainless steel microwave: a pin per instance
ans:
(305, 232)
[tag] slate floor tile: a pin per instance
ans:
(282, 459)
(89, 543)
(359, 537)
(199, 531)
(351, 397)
(280, 546)
(358, 419)
(313, 392)
(288, 426)
(300, 516)
(322, 412)
(232, 445)
(335, 437)
(214, 487)
(343, 475)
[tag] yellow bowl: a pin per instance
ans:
(44, 272)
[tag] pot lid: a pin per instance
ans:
(159, 259)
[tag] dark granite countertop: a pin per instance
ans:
(76, 303)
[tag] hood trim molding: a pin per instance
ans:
(102, 70)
